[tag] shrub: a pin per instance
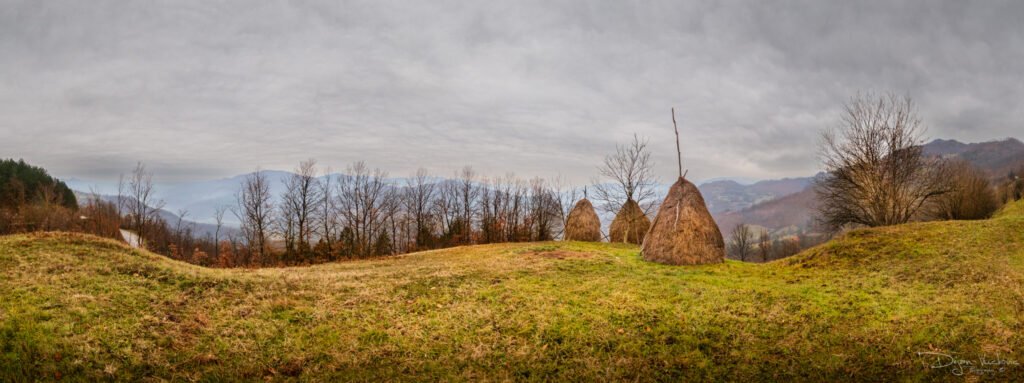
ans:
(969, 196)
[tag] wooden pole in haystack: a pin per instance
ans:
(679, 152)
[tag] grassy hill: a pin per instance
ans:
(861, 307)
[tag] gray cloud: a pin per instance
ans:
(214, 88)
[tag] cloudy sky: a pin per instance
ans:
(208, 89)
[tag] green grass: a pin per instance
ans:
(858, 308)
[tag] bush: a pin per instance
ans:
(1012, 188)
(969, 195)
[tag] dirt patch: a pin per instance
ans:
(559, 254)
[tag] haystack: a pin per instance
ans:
(583, 223)
(630, 224)
(683, 232)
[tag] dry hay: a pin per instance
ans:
(683, 232)
(583, 223)
(630, 224)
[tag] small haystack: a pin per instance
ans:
(683, 232)
(630, 224)
(583, 223)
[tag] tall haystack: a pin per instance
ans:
(583, 223)
(630, 224)
(683, 232)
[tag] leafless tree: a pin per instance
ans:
(545, 212)
(363, 197)
(566, 195)
(490, 203)
(419, 197)
(628, 174)
(467, 193)
(254, 211)
(447, 210)
(516, 208)
(391, 212)
(740, 241)
(502, 203)
(284, 227)
(141, 204)
(764, 245)
(218, 219)
(179, 231)
(877, 174)
(298, 207)
(327, 214)
(122, 189)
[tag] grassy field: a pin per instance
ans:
(861, 307)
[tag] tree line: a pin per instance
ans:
(320, 216)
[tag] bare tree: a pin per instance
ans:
(503, 206)
(545, 211)
(446, 209)
(419, 197)
(218, 219)
(179, 231)
(140, 201)
(283, 225)
(877, 174)
(327, 214)
(628, 174)
(516, 211)
(566, 195)
(298, 207)
(490, 209)
(764, 245)
(740, 241)
(363, 197)
(254, 211)
(467, 193)
(391, 216)
(122, 188)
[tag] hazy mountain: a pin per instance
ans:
(996, 157)
(942, 147)
(785, 215)
(198, 228)
(728, 195)
(201, 199)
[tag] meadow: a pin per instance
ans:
(871, 305)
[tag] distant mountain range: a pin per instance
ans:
(200, 198)
(725, 196)
(998, 158)
(198, 228)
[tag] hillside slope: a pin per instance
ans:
(861, 307)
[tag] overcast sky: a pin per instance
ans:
(208, 89)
